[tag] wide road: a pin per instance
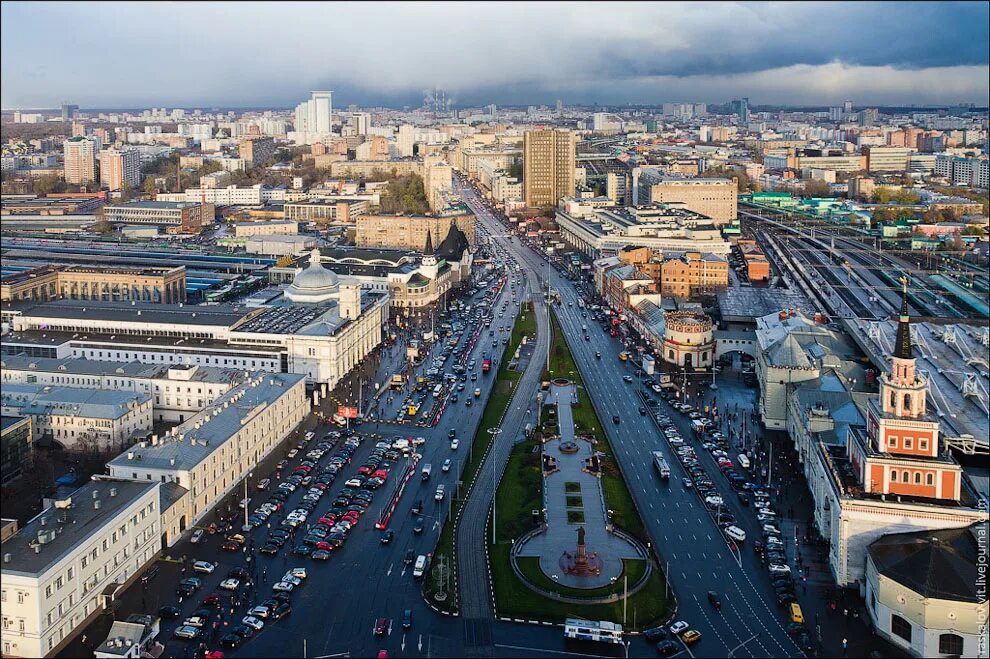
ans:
(472, 568)
(686, 540)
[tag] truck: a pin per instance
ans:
(427, 470)
(398, 381)
(486, 365)
(661, 464)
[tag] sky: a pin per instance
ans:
(242, 54)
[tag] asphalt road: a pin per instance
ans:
(687, 541)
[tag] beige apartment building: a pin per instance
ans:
(712, 197)
(365, 168)
(80, 160)
(164, 285)
(548, 166)
(120, 168)
(410, 231)
(437, 178)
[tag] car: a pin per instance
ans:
(188, 632)
(231, 641)
(169, 612)
(297, 573)
(203, 567)
(253, 623)
(679, 627)
(642, 411)
(381, 626)
(419, 525)
(260, 611)
(779, 569)
(454, 443)
(735, 533)
(440, 492)
(269, 548)
(627, 378)
(655, 634)
(230, 546)
(446, 465)
(668, 648)
(691, 636)
(387, 536)
(615, 418)
(714, 600)
(197, 536)
(407, 619)
(321, 553)
(409, 557)
(230, 584)
(687, 483)
(283, 587)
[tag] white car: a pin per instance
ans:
(297, 572)
(194, 621)
(259, 612)
(310, 435)
(254, 623)
(204, 567)
(440, 492)
(714, 501)
(446, 465)
(283, 587)
(454, 443)
(187, 631)
(783, 569)
(292, 579)
(678, 627)
(230, 584)
(197, 536)
(735, 533)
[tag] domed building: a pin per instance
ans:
(314, 283)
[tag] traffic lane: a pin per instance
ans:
(717, 546)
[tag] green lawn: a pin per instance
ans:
(631, 567)
(525, 324)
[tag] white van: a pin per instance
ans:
(735, 533)
(420, 567)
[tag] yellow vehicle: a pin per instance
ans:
(797, 616)
(691, 637)
(413, 409)
(624, 356)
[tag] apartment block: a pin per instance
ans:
(80, 160)
(120, 168)
(549, 158)
(256, 150)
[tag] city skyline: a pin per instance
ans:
(704, 52)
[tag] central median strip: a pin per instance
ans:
(498, 401)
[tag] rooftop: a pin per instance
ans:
(191, 442)
(136, 369)
(75, 521)
(747, 304)
(219, 315)
(71, 401)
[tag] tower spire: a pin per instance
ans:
(428, 249)
(902, 347)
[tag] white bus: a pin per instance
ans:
(601, 631)
(437, 390)
(743, 461)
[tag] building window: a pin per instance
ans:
(950, 644)
(930, 479)
(908, 442)
(892, 442)
(906, 476)
(900, 626)
(893, 476)
(917, 478)
(923, 444)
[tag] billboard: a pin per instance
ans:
(347, 412)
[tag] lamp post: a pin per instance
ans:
(494, 432)
(250, 474)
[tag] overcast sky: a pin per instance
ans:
(132, 55)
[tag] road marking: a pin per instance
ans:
(544, 650)
(389, 572)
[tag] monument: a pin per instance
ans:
(581, 564)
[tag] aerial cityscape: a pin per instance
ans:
(494, 329)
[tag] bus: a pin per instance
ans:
(437, 390)
(661, 464)
(486, 365)
(601, 631)
(743, 460)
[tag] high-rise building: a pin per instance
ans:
(120, 168)
(548, 166)
(741, 109)
(560, 107)
(847, 107)
(80, 160)
(256, 150)
(313, 116)
(69, 111)
(361, 122)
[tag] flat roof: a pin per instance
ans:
(748, 304)
(136, 369)
(109, 341)
(221, 315)
(161, 205)
(82, 525)
(71, 401)
(187, 445)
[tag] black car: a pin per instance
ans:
(655, 634)
(243, 631)
(269, 548)
(407, 619)
(387, 536)
(668, 648)
(302, 550)
(805, 643)
(714, 600)
(169, 612)
(420, 525)
(784, 598)
(231, 641)
(238, 573)
(410, 557)
(280, 611)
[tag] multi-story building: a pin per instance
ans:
(270, 228)
(712, 197)
(256, 151)
(77, 282)
(178, 390)
(230, 195)
(680, 274)
(689, 340)
(548, 166)
(120, 168)
(80, 160)
(366, 168)
(60, 568)
(437, 179)
(175, 217)
(331, 210)
(410, 231)
(211, 452)
(15, 446)
(313, 116)
(78, 418)
(887, 158)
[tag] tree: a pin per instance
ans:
(149, 185)
(48, 184)
(816, 188)
(405, 194)
(516, 170)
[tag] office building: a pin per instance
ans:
(410, 231)
(120, 169)
(344, 209)
(741, 109)
(256, 151)
(361, 123)
(80, 160)
(712, 197)
(69, 111)
(549, 161)
(313, 116)
(78, 282)
(173, 216)
(59, 567)
(887, 158)
(15, 446)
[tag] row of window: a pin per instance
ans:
(906, 477)
(908, 443)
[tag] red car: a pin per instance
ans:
(325, 546)
(364, 470)
(230, 546)
(381, 627)
(329, 520)
(381, 473)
